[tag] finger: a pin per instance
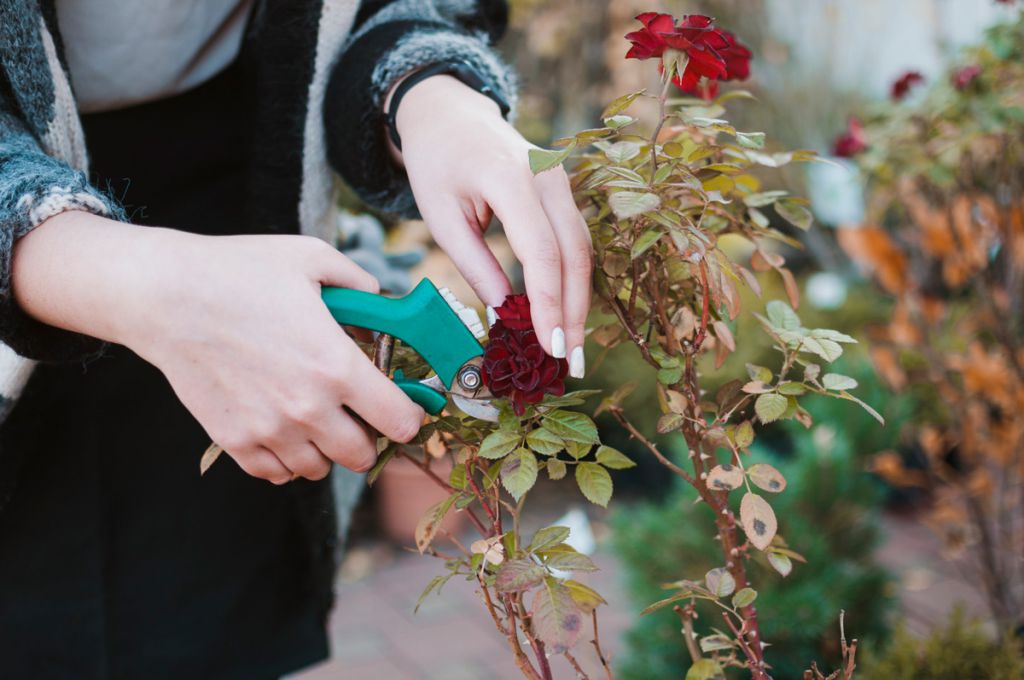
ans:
(380, 402)
(346, 442)
(303, 458)
(337, 270)
(529, 233)
(260, 462)
(463, 240)
(576, 250)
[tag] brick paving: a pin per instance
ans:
(376, 636)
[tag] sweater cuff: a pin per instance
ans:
(39, 202)
(354, 117)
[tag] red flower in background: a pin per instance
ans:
(711, 54)
(515, 365)
(963, 78)
(901, 88)
(851, 142)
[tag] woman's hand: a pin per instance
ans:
(464, 162)
(237, 326)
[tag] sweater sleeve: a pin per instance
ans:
(33, 188)
(390, 39)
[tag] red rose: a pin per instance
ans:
(515, 365)
(711, 53)
(851, 142)
(901, 88)
(963, 78)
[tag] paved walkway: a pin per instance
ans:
(376, 636)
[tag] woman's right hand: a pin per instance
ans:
(237, 326)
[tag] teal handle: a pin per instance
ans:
(432, 401)
(422, 319)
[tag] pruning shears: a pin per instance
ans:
(442, 330)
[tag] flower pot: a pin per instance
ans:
(405, 492)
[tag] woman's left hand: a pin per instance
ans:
(465, 162)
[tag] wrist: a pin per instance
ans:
(434, 96)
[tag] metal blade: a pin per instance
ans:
(469, 316)
(481, 410)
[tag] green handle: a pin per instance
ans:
(422, 319)
(430, 399)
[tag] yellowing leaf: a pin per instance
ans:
(556, 469)
(586, 597)
(725, 477)
(770, 407)
(515, 576)
(595, 483)
(430, 522)
(744, 598)
(627, 204)
(210, 457)
(544, 159)
(720, 582)
(781, 563)
(705, 669)
(766, 477)
(613, 458)
(557, 618)
(758, 520)
(519, 472)
(499, 444)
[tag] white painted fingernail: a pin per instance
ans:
(492, 316)
(558, 343)
(577, 364)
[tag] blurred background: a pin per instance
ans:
(916, 529)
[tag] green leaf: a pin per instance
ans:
(751, 140)
(627, 204)
(620, 104)
(670, 422)
(577, 450)
(872, 412)
(794, 213)
(544, 442)
(515, 576)
(617, 122)
(557, 618)
(385, 456)
(436, 583)
(762, 199)
(670, 375)
(828, 350)
(744, 598)
(792, 389)
(547, 537)
(720, 582)
(835, 381)
(595, 483)
(705, 669)
(744, 434)
(545, 159)
(766, 477)
(782, 315)
(499, 444)
(770, 407)
(645, 241)
(620, 152)
(613, 458)
(570, 561)
(714, 643)
(759, 373)
(457, 477)
(571, 426)
(519, 472)
(780, 563)
(661, 604)
(556, 469)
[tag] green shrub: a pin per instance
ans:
(959, 651)
(831, 512)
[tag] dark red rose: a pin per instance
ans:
(906, 82)
(515, 365)
(711, 53)
(963, 78)
(851, 142)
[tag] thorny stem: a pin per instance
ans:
(661, 122)
(527, 628)
(650, 446)
(597, 646)
(580, 673)
(686, 615)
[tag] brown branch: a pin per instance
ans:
(649, 445)
(686, 615)
(756, 667)
(580, 673)
(597, 646)
(446, 486)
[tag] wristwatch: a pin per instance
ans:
(457, 69)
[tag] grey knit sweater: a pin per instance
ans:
(305, 56)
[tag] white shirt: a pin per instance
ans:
(125, 52)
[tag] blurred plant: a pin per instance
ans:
(832, 510)
(959, 650)
(946, 241)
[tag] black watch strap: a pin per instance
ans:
(465, 73)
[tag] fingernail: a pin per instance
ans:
(558, 343)
(492, 316)
(577, 364)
